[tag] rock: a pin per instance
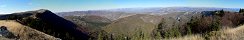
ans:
(5, 33)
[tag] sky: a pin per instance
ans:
(11, 6)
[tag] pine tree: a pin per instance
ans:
(219, 13)
(241, 11)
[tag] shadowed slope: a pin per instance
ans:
(24, 32)
(47, 22)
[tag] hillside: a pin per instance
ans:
(173, 25)
(132, 25)
(207, 25)
(91, 23)
(24, 32)
(49, 23)
(224, 34)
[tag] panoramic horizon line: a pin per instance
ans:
(150, 7)
(118, 8)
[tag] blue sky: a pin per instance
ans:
(10, 6)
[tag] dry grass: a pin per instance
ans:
(230, 34)
(224, 34)
(132, 25)
(188, 37)
(24, 32)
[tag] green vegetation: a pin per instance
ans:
(208, 25)
(174, 32)
(91, 23)
(138, 35)
(171, 32)
(101, 36)
(219, 13)
(132, 27)
(203, 24)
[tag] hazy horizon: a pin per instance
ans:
(11, 6)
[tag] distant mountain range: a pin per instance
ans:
(172, 9)
(114, 14)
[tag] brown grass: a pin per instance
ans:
(24, 32)
(230, 34)
(224, 34)
(188, 37)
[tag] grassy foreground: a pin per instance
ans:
(224, 34)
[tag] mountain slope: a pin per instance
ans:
(24, 32)
(90, 22)
(48, 22)
(132, 25)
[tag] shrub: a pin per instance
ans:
(219, 13)
(231, 19)
(203, 24)
(163, 32)
(174, 32)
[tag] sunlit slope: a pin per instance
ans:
(229, 34)
(224, 34)
(24, 32)
(133, 25)
(47, 22)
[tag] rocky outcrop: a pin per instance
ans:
(23, 32)
(5, 33)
